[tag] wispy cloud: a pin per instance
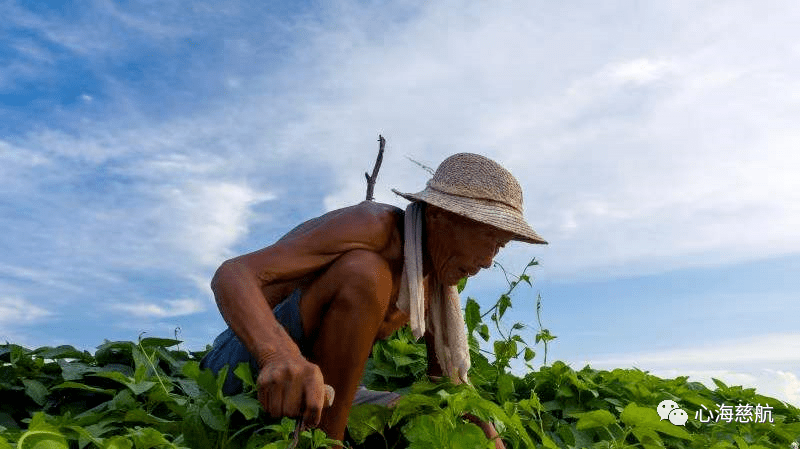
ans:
(16, 310)
(169, 308)
(782, 348)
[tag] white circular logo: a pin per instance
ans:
(678, 417)
(666, 406)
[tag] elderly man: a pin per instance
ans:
(306, 310)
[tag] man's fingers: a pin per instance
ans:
(293, 399)
(275, 401)
(312, 413)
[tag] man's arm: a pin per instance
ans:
(237, 287)
(238, 283)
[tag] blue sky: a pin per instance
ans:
(142, 144)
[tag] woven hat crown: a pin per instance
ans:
(480, 189)
(475, 176)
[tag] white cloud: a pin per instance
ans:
(36, 276)
(170, 308)
(16, 310)
(656, 156)
(770, 348)
(204, 220)
(639, 71)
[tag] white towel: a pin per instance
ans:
(441, 313)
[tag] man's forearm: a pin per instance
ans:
(248, 314)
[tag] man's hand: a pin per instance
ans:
(289, 385)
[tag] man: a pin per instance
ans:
(306, 310)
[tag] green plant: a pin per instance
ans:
(146, 395)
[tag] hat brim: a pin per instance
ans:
(482, 210)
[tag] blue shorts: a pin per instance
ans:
(229, 350)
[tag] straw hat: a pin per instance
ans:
(478, 188)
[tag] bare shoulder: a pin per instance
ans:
(385, 216)
(366, 221)
(389, 220)
(316, 243)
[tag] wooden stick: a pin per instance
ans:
(371, 179)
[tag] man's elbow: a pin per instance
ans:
(225, 271)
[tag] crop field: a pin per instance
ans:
(148, 394)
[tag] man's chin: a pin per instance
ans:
(453, 280)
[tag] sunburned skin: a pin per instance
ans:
(348, 264)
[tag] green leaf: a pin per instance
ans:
(721, 385)
(63, 352)
(205, 378)
(189, 387)
(367, 419)
(141, 416)
(41, 435)
(670, 429)
(35, 390)
(648, 437)
(529, 354)
(74, 370)
(244, 404)
(505, 387)
(40, 439)
(151, 342)
(502, 304)
(426, 431)
(411, 404)
(117, 442)
(484, 332)
(462, 283)
(472, 314)
(136, 387)
(147, 438)
(80, 386)
(141, 364)
(124, 400)
(195, 433)
(5, 444)
(242, 371)
(212, 414)
(114, 352)
(636, 416)
(595, 418)
(467, 435)
(220, 382)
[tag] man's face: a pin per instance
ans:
(460, 247)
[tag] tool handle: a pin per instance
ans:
(329, 395)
